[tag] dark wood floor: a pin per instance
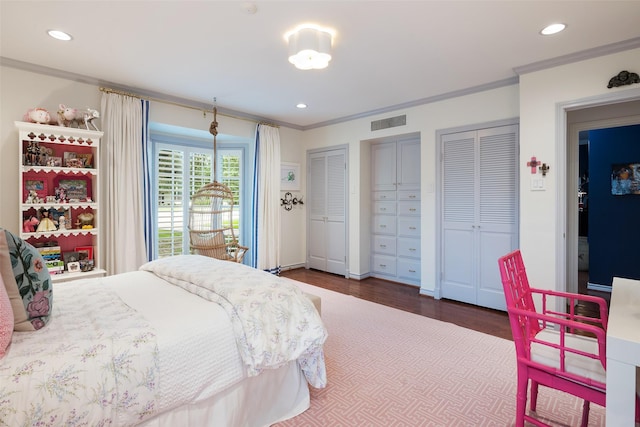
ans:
(408, 298)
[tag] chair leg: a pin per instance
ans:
(585, 414)
(521, 398)
(534, 395)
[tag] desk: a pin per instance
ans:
(623, 352)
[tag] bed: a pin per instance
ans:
(186, 340)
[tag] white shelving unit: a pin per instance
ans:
(42, 155)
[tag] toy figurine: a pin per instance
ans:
(29, 226)
(46, 223)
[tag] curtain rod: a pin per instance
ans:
(179, 104)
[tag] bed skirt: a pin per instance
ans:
(263, 400)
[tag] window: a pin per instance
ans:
(181, 167)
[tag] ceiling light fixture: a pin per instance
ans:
(59, 35)
(552, 29)
(301, 105)
(309, 47)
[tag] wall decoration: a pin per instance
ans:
(289, 201)
(625, 179)
(289, 176)
(623, 78)
(533, 164)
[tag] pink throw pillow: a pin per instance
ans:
(6, 319)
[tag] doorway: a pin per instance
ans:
(608, 206)
(582, 220)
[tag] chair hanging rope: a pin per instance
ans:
(211, 231)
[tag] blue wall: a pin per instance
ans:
(614, 221)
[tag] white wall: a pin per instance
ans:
(22, 90)
(536, 100)
(544, 96)
(491, 105)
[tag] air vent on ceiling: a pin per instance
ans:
(391, 122)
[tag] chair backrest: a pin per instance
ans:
(211, 220)
(517, 295)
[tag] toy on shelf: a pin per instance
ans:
(46, 223)
(68, 117)
(38, 115)
(29, 226)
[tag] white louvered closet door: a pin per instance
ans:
(327, 240)
(479, 212)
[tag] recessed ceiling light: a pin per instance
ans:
(552, 29)
(301, 105)
(59, 35)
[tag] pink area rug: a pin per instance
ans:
(387, 367)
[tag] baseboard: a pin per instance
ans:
(598, 287)
(358, 276)
(293, 266)
(427, 292)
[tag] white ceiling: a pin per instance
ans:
(385, 53)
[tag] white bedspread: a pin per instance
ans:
(273, 321)
(198, 356)
(94, 364)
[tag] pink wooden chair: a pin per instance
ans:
(564, 351)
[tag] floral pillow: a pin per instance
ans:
(27, 282)
(6, 319)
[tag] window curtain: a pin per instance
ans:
(124, 177)
(265, 254)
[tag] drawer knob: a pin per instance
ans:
(383, 265)
(412, 249)
(412, 209)
(383, 246)
(412, 228)
(411, 271)
(413, 196)
(383, 226)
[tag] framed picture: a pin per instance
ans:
(76, 188)
(55, 162)
(289, 176)
(84, 252)
(73, 267)
(625, 179)
(34, 182)
(87, 159)
(71, 257)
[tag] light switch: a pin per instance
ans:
(537, 184)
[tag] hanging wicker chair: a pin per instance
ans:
(211, 217)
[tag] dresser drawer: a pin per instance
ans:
(384, 264)
(384, 195)
(409, 208)
(409, 227)
(383, 224)
(408, 247)
(384, 245)
(384, 208)
(409, 270)
(408, 195)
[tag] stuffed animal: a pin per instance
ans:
(68, 117)
(33, 197)
(29, 226)
(37, 115)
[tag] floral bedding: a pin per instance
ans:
(94, 364)
(274, 323)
